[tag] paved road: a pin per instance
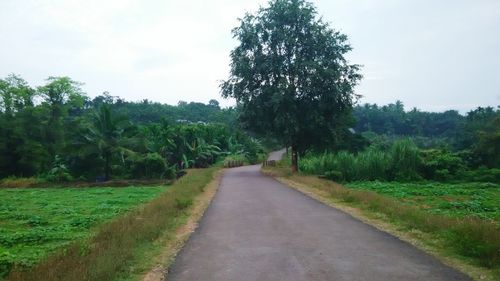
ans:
(276, 155)
(258, 229)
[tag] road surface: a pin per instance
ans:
(258, 229)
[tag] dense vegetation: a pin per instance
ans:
(56, 133)
(478, 130)
(464, 148)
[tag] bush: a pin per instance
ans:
(150, 165)
(373, 165)
(440, 164)
(183, 203)
(401, 162)
(6, 262)
(480, 175)
(405, 160)
(59, 172)
(334, 175)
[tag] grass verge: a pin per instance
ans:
(470, 244)
(159, 257)
(112, 253)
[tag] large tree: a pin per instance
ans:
(290, 77)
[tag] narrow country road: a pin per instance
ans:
(258, 229)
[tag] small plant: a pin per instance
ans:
(59, 172)
(183, 203)
(334, 175)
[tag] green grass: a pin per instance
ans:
(116, 250)
(480, 200)
(36, 221)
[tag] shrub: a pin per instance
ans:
(334, 175)
(59, 172)
(373, 165)
(404, 160)
(440, 164)
(401, 162)
(183, 203)
(480, 175)
(6, 262)
(149, 165)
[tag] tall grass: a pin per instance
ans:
(400, 162)
(110, 253)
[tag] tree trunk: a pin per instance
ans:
(106, 168)
(295, 159)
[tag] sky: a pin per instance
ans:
(433, 55)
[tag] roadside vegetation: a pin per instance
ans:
(56, 133)
(61, 156)
(444, 183)
(113, 250)
(467, 148)
(435, 172)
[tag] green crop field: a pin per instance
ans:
(453, 199)
(36, 221)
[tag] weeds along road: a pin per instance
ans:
(258, 229)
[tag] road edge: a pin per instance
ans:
(381, 222)
(172, 246)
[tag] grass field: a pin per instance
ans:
(481, 200)
(122, 248)
(36, 221)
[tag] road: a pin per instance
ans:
(259, 229)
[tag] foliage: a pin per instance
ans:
(400, 162)
(290, 77)
(37, 221)
(66, 136)
(59, 172)
(392, 119)
(112, 252)
(481, 174)
(441, 164)
(478, 132)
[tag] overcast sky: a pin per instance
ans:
(434, 55)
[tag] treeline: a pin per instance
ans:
(145, 111)
(415, 145)
(56, 132)
(477, 132)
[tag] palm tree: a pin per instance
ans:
(106, 135)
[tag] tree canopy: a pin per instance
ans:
(57, 133)
(290, 77)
